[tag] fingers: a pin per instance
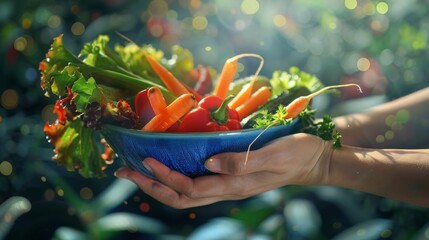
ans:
(162, 192)
(223, 187)
(176, 190)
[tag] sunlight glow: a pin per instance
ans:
(250, 7)
(382, 7)
(350, 4)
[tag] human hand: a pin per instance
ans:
(296, 159)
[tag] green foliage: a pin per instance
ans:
(325, 128)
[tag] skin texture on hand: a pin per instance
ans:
(285, 161)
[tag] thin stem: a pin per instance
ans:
(334, 86)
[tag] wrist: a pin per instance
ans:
(319, 172)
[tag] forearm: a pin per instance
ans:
(402, 123)
(396, 174)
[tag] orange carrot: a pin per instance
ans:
(300, 104)
(225, 78)
(246, 92)
(156, 100)
(174, 111)
(261, 96)
(228, 73)
(171, 82)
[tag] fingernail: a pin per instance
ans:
(119, 173)
(213, 165)
(147, 166)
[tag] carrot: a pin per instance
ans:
(300, 104)
(156, 100)
(197, 96)
(228, 73)
(261, 96)
(171, 82)
(174, 111)
(246, 92)
(225, 78)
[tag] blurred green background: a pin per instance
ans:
(382, 45)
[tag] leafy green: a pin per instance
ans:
(91, 87)
(286, 87)
(325, 128)
(266, 119)
(288, 81)
(76, 148)
(86, 92)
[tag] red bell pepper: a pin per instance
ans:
(211, 115)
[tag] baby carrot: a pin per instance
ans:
(261, 96)
(174, 111)
(300, 104)
(246, 92)
(156, 100)
(225, 78)
(171, 82)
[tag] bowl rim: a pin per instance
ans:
(194, 134)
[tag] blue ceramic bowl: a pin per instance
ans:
(185, 152)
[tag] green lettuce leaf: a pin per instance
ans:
(76, 148)
(86, 92)
(282, 81)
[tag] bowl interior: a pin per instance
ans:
(185, 152)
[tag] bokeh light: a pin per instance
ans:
(279, 20)
(199, 22)
(363, 64)
(382, 7)
(6, 168)
(86, 193)
(77, 28)
(9, 99)
(350, 4)
(20, 44)
(54, 21)
(144, 207)
(249, 7)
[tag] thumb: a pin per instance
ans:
(233, 163)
